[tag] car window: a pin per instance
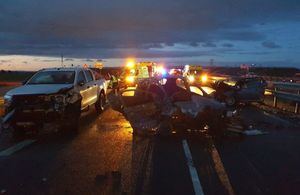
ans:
(208, 90)
(53, 77)
(81, 77)
(196, 90)
(89, 76)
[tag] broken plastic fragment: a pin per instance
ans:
(254, 132)
(44, 179)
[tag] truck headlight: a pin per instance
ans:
(59, 102)
(7, 100)
(59, 99)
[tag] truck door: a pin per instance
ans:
(92, 87)
(81, 84)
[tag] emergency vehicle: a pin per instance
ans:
(195, 74)
(135, 71)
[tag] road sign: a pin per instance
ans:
(98, 65)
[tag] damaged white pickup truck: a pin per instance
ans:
(57, 96)
(164, 105)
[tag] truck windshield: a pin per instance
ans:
(53, 77)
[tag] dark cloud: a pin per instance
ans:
(62, 26)
(254, 53)
(270, 44)
(243, 36)
(227, 45)
(194, 44)
(209, 44)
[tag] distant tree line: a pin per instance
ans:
(260, 71)
(275, 72)
(14, 76)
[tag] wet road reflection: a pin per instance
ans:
(105, 157)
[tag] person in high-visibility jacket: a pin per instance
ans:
(115, 83)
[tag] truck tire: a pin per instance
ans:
(71, 121)
(17, 133)
(100, 104)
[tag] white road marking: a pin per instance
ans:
(236, 126)
(193, 172)
(16, 148)
(234, 130)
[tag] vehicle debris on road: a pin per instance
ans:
(158, 104)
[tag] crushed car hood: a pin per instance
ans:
(38, 89)
(198, 103)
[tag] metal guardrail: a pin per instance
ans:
(286, 85)
(294, 97)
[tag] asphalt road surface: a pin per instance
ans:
(104, 157)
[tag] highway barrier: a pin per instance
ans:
(287, 91)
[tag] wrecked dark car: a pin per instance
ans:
(242, 90)
(165, 105)
(57, 96)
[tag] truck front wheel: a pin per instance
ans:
(71, 121)
(100, 104)
(18, 132)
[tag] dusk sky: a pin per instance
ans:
(34, 33)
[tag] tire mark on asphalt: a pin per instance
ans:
(143, 177)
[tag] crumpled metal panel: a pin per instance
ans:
(143, 117)
(197, 104)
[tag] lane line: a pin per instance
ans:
(219, 167)
(234, 130)
(17, 147)
(193, 172)
(236, 126)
